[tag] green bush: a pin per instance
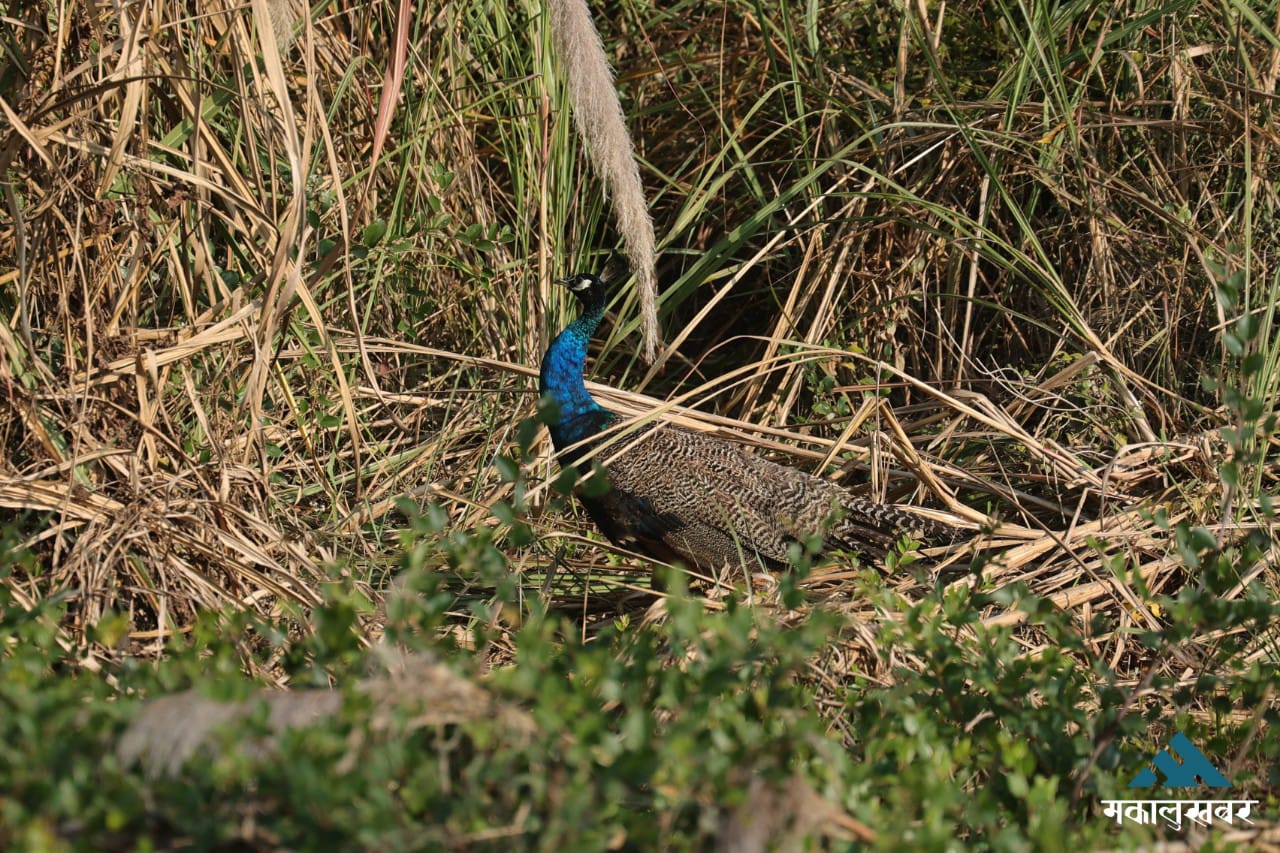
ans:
(645, 735)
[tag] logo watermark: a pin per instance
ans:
(1188, 769)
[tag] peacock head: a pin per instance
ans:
(590, 289)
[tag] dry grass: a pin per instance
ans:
(216, 380)
(172, 729)
(603, 125)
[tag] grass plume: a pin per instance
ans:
(1013, 265)
(602, 124)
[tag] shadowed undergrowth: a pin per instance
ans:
(267, 406)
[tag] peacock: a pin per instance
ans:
(686, 497)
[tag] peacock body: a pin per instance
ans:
(683, 496)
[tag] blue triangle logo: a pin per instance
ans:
(1193, 770)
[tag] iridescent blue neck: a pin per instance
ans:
(561, 377)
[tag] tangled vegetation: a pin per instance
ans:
(285, 561)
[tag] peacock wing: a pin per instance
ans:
(713, 502)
